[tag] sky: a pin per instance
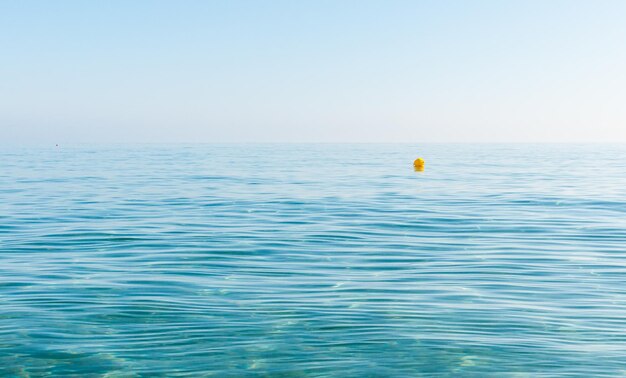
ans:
(412, 71)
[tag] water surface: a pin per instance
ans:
(313, 261)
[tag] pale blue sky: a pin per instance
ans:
(318, 71)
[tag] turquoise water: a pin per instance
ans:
(313, 261)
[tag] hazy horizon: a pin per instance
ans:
(332, 72)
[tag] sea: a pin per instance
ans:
(313, 260)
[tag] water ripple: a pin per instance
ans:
(250, 260)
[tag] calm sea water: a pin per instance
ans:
(313, 261)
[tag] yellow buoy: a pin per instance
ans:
(418, 164)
